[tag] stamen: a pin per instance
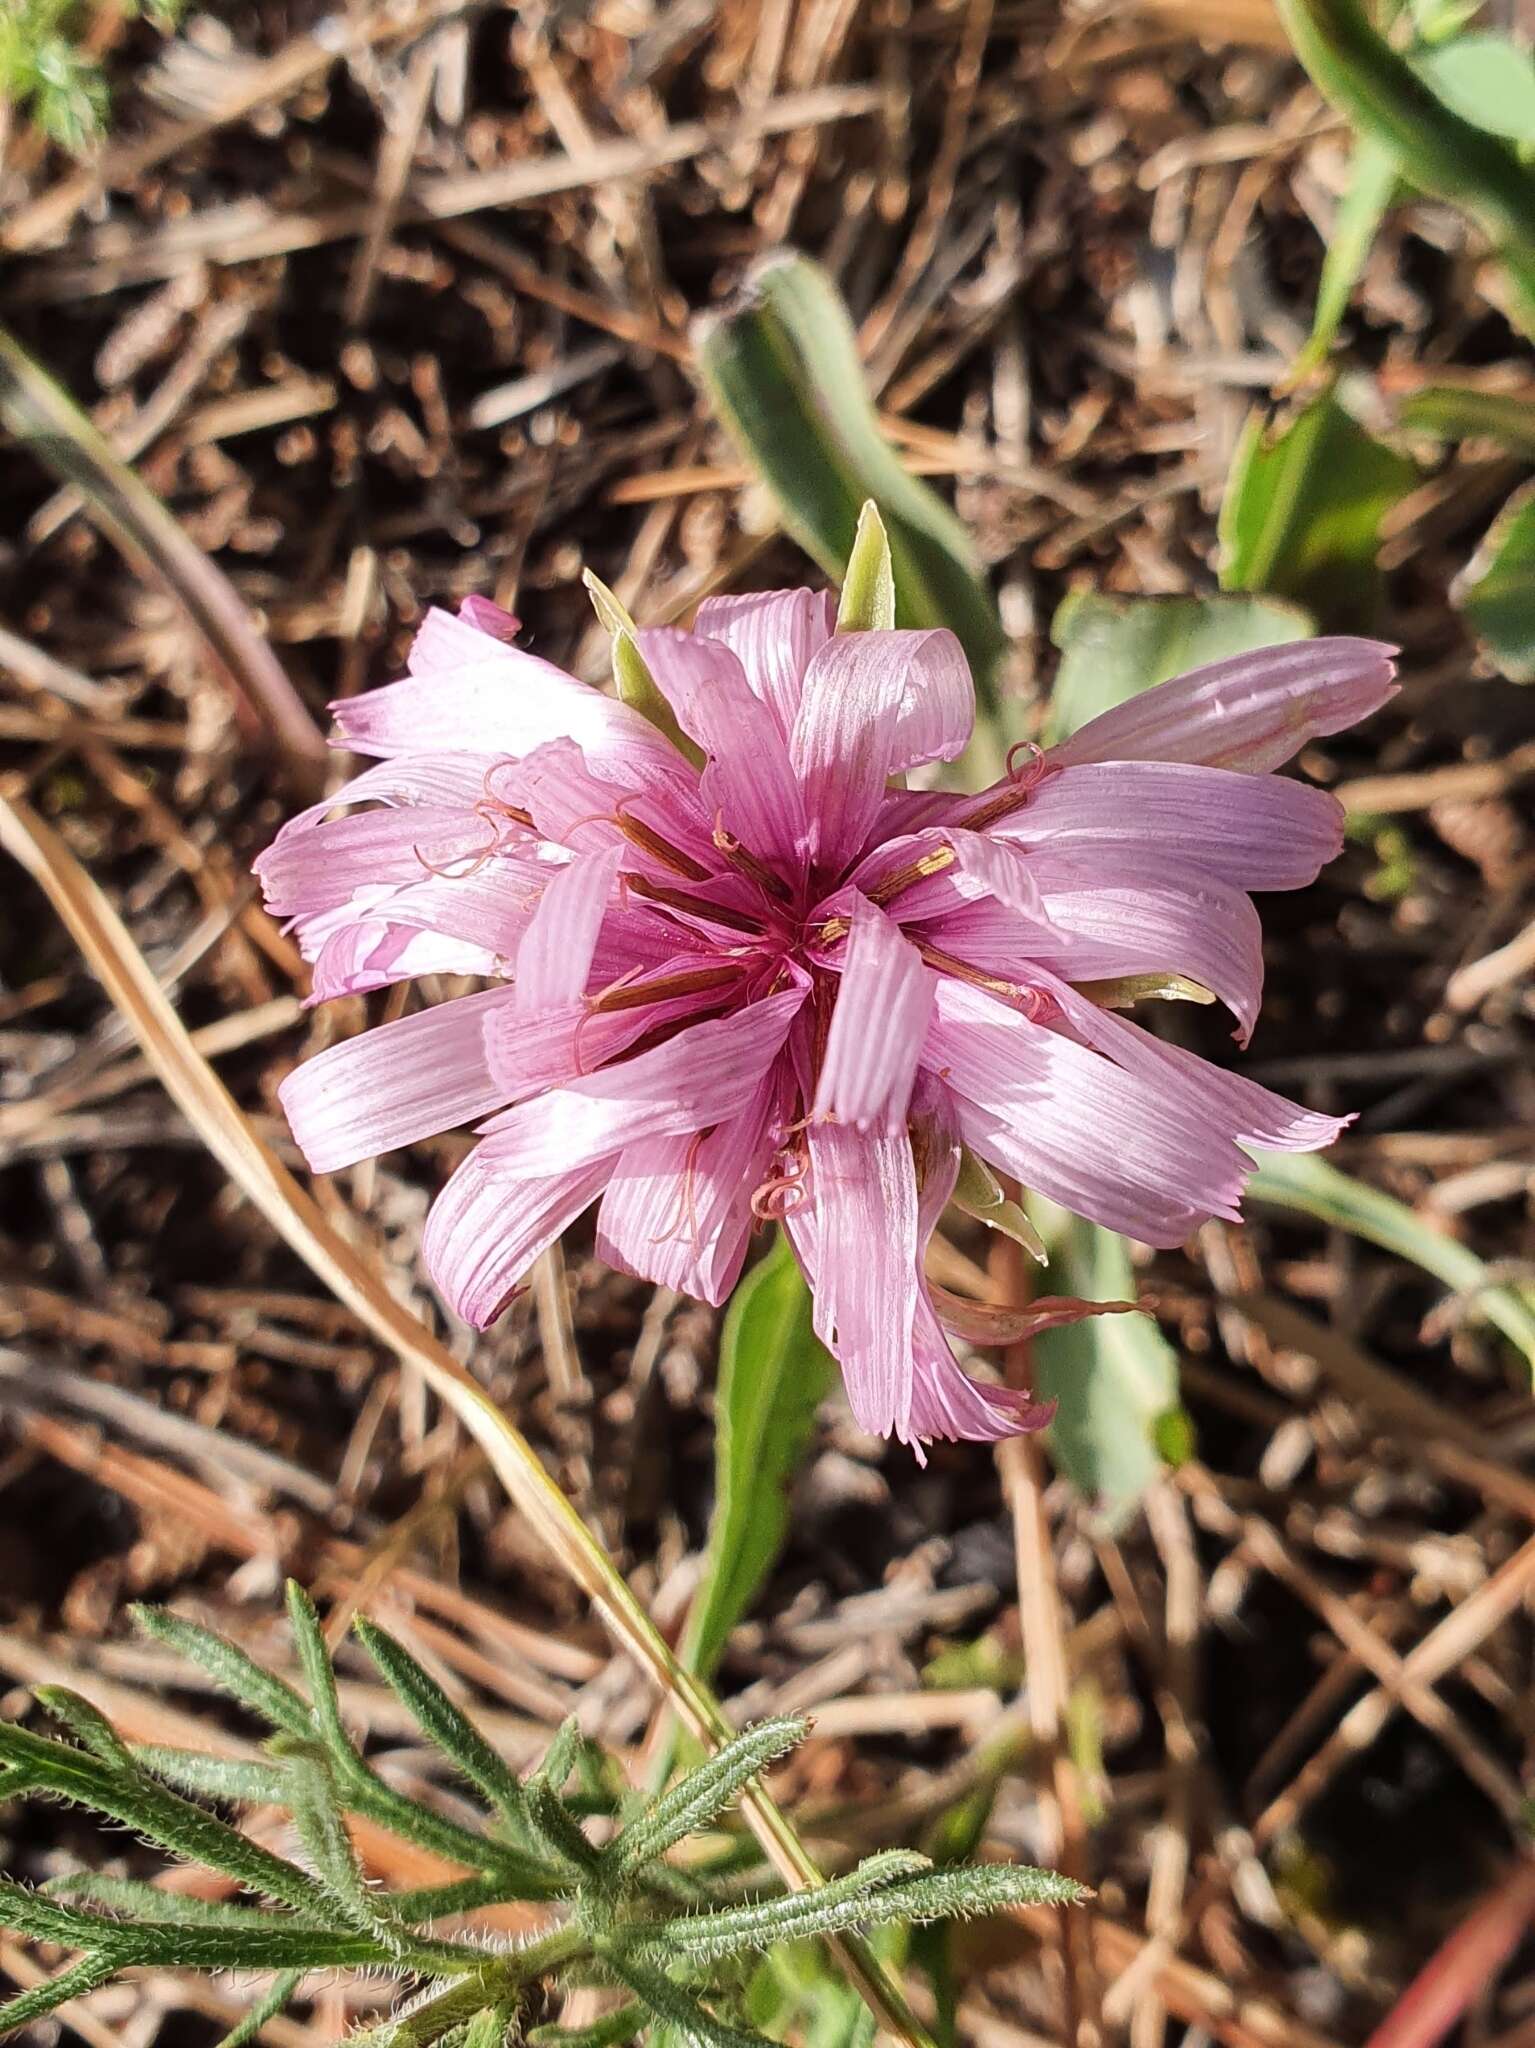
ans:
(771, 1200)
(650, 841)
(931, 863)
(686, 1207)
(835, 928)
(963, 971)
(628, 994)
(515, 812)
(1036, 768)
(695, 906)
(746, 861)
(476, 860)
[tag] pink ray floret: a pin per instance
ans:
(780, 984)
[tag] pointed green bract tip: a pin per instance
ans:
(868, 589)
(612, 612)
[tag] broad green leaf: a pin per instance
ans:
(1461, 412)
(1382, 94)
(1302, 513)
(1114, 647)
(1292, 1180)
(774, 1374)
(1487, 79)
(783, 371)
(1496, 589)
(1373, 178)
(1113, 1377)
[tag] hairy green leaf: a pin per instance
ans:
(229, 1668)
(445, 1723)
(704, 1792)
(1462, 412)
(267, 2007)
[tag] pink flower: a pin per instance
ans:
(782, 985)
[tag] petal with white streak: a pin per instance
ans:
(682, 1086)
(487, 1227)
(884, 1001)
(773, 634)
(402, 1081)
(1253, 831)
(747, 778)
(678, 1210)
(1251, 712)
(873, 705)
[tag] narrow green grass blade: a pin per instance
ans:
(1290, 1180)
(1440, 151)
(1373, 179)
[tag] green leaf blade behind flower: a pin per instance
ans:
(1496, 590)
(1301, 517)
(783, 372)
(774, 1374)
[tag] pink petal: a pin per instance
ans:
(387, 1087)
(527, 1053)
(1110, 1145)
(747, 779)
(1253, 831)
(861, 1238)
(304, 873)
(884, 1001)
(487, 1227)
(773, 634)
(582, 806)
(873, 705)
(1114, 911)
(1194, 1089)
(946, 1402)
(498, 701)
(678, 1210)
(555, 955)
(1252, 712)
(363, 954)
(693, 1080)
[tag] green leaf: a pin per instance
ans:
(703, 1793)
(267, 2007)
(1384, 97)
(1461, 412)
(86, 1723)
(867, 603)
(229, 1668)
(1374, 176)
(669, 2001)
(773, 1376)
(1302, 513)
(1293, 1180)
(445, 1723)
(958, 1892)
(1496, 589)
(560, 1832)
(610, 2031)
(1112, 1377)
(59, 1771)
(236, 1779)
(87, 1975)
(1485, 78)
(133, 1899)
(783, 372)
(1114, 647)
